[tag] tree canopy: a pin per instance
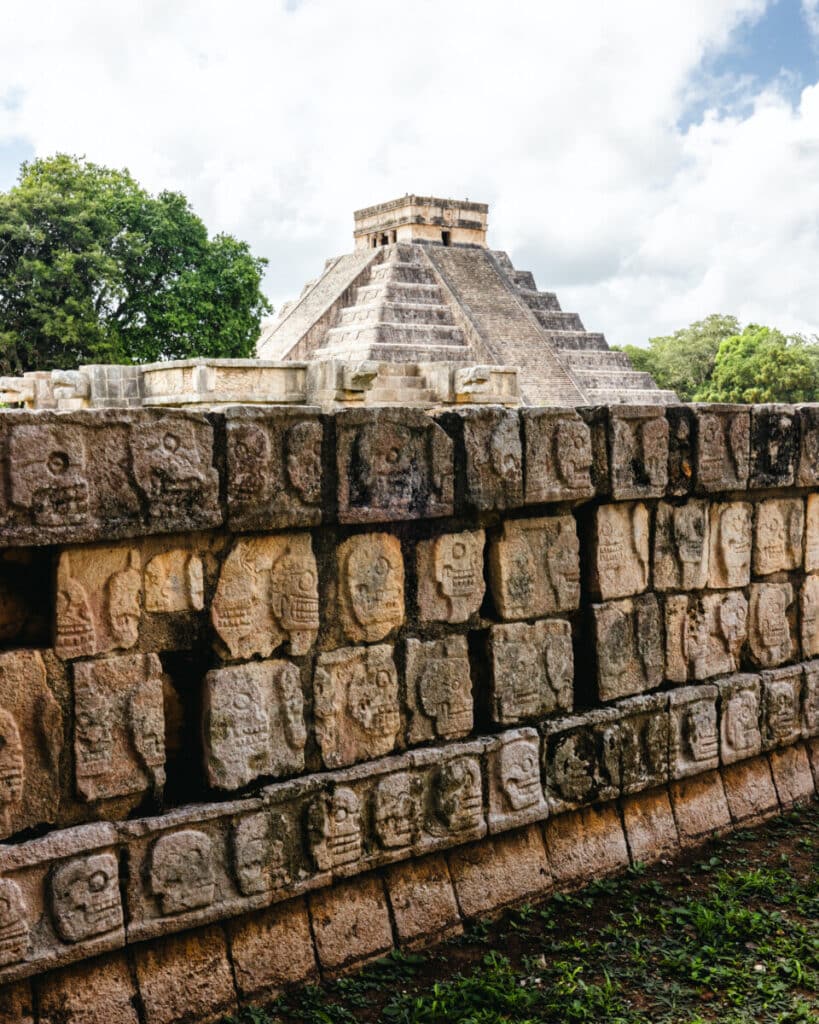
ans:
(94, 269)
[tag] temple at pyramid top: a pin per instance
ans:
(423, 288)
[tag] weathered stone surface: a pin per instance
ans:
(262, 851)
(778, 535)
(334, 829)
(392, 464)
(700, 808)
(253, 722)
(17, 1004)
(771, 628)
(723, 447)
(273, 468)
(781, 706)
(628, 641)
(809, 616)
(808, 472)
(651, 831)
(272, 950)
(704, 635)
(351, 923)
(439, 689)
(119, 726)
(534, 567)
(774, 445)
(813, 757)
(812, 533)
(355, 695)
(637, 749)
(397, 810)
(371, 586)
(453, 796)
(174, 582)
(423, 901)
(740, 702)
(185, 977)
(31, 740)
(620, 550)
(749, 790)
(810, 700)
(491, 457)
(558, 452)
(681, 452)
(98, 992)
(681, 546)
(516, 794)
(730, 558)
(581, 759)
(500, 871)
(792, 776)
(584, 844)
(532, 670)
(694, 733)
(267, 596)
(638, 444)
(449, 570)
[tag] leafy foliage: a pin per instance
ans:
(95, 269)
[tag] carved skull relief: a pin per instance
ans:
(334, 829)
(15, 938)
(49, 477)
(182, 871)
(397, 810)
(12, 765)
(259, 857)
(458, 795)
(85, 897)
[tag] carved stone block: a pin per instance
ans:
(730, 543)
(457, 800)
(397, 811)
(181, 877)
(85, 897)
(774, 445)
(681, 546)
(370, 586)
(450, 576)
(739, 717)
(392, 464)
(489, 454)
(534, 567)
(681, 452)
(641, 740)
(620, 550)
(770, 635)
(704, 635)
(439, 689)
(582, 759)
(638, 442)
(810, 700)
(260, 843)
(781, 706)
(273, 468)
(628, 641)
(355, 693)
(558, 456)
(808, 472)
(31, 740)
(253, 723)
(694, 732)
(809, 616)
(119, 726)
(723, 447)
(812, 533)
(778, 535)
(532, 670)
(334, 829)
(516, 795)
(175, 582)
(267, 596)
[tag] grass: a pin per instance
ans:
(729, 934)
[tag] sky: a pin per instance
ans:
(651, 162)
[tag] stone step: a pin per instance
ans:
(539, 300)
(410, 273)
(648, 396)
(523, 279)
(556, 320)
(574, 340)
(398, 291)
(580, 359)
(398, 396)
(397, 380)
(396, 312)
(395, 352)
(616, 377)
(392, 334)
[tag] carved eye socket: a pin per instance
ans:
(381, 567)
(98, 881)
(171, 442)
(57, 463)
(341, 814)
(458, 549)
(306, 581)
(393, 455)
(241, 701)
(527, 763)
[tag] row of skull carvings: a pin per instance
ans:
(61, 897)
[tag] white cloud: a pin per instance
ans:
(277, 120)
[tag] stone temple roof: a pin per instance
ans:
(423, 287)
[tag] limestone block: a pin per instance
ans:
(355, 693)
(516, 795)
(439, 689)
(812, 533)
(808, 472)
(175, 582)
(532, 670)
(500, 872)
(810, 700)
(99, 992)
(740, 704)
(558, 450)
(534, 567)
(397, 810)
(449, 570)
(423, 901)
(253, 722)
(781, 706)
(774, 445)
(694, 733)
(489, 454)
(620, 550)
(809, 616)
(771, 633)
(750, 791)
(681, 452)
(371, 586)
(392, 464)
(263, 849)
(638, 746)
(334, 829)
(651, 831)
(119, 726)
(813, 756)
(638, 442)
(730, 543)
(267, 596)
(272, 950)
(453, 793)
(628, 641)
(778, 535)
(273, 468)
(581, 759)
(704, 634)
(17, 1004)
(723, 447)
(681, 546)
(700, 808)
(351, 923)
(186, 977)
(31, 740)
(584, 845)
(792, 776)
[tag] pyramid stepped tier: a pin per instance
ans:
(402, 385)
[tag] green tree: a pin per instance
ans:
(763, 365)
(95, 269)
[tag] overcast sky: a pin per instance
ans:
(653, 161)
